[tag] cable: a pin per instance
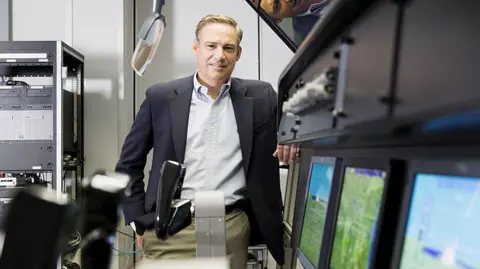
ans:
(126, 262)
(127, 252)
(76, 240)
(319, 92)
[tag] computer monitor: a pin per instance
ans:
(315, 210)
(441, 217)
(360, 201)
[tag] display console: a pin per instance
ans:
(356, 224)
(315, 213)
(441, 217)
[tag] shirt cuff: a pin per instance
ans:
(133, 226)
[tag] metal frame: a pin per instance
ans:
(291, 193)
(210, 224)
(340, 16)
(57, 125)
(304, 165)
(467, 168)
(10, 19)
(278, 31)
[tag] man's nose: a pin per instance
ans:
(220, 54)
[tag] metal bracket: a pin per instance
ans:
(210, 226)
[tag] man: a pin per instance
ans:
(224, 130)
(304, 14)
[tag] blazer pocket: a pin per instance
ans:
(263, 126)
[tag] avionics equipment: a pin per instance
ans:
(406, 66)
(363, 221)
(439, 219)
(315, 210)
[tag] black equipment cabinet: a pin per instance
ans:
(41, 111)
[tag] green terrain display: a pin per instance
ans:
(313, 230)
(357, 218)
(315, 212)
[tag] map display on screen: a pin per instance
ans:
(360, 202)
(443, 224)
(315, 211)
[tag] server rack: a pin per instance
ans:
(41, 112)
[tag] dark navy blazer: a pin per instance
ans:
(161, 123)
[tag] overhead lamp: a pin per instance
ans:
(148, 39)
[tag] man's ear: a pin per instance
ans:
(195, 46)
(239, 52)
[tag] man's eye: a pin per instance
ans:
(276, 6)
(211, 46)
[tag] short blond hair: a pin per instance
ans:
(219, 19)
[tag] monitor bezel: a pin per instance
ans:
(462, 168)
(291, 188)
(314, 159)
(387, 215)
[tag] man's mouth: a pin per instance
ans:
(218, 66)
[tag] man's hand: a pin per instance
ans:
(139, 241)
(286, 153)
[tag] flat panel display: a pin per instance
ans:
(442, 227)
(316, 205)
(360, 203)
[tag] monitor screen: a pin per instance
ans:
(315, 211)
(360, 202)
(442, 227)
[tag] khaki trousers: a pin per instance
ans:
(183, 244)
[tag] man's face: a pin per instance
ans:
(281, 9)
(217, 51)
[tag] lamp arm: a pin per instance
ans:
(157, 6)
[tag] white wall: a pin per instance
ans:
(274, 55)
(4, 20)
(103, 32)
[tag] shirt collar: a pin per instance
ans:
(199, 87)
(315, 9)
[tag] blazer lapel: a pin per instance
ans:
(179, 112)
(243, 108)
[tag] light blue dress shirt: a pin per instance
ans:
(213, 156)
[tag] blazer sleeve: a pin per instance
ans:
(133, 158)
(273, 99)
